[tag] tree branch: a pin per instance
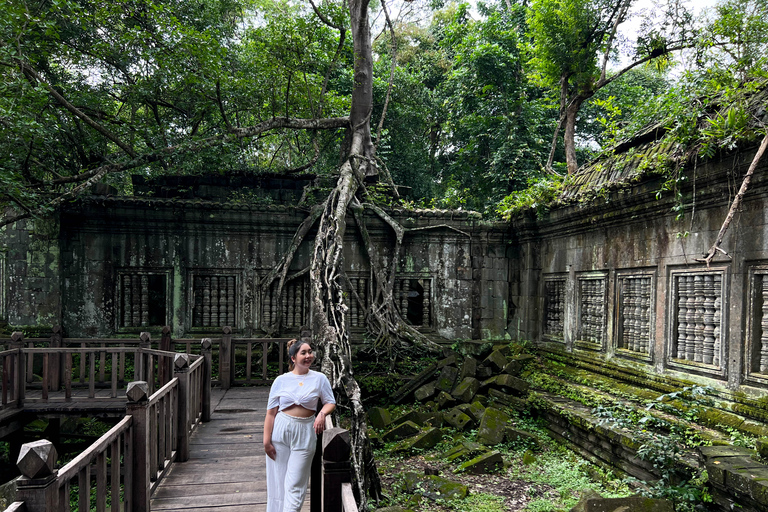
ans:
(391, 73)
(735, 205)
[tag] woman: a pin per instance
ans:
(290, 428)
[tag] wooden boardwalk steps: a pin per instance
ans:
(226, 467)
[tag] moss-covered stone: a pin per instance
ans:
(422, 441)
(406, 429)
(447, 379)
(379, 417)
(486, 463)
(468, 368)
(511, 384)
(434, 487)
(495, 361)
(463, 451)
(457, 419)
(418, 417)
(492, 424)
(466, 390)
(425, 392)
(444, 400)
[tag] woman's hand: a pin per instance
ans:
(320, 422)
(269, 449)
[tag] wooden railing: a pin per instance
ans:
(130, 460)
(331, 473)
(57, 363)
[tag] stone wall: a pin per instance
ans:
(614, 277)
(125, 264)
(29, 274)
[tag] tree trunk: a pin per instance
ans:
(571, 111)
(329, 321)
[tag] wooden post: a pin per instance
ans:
(138, 408)
(166, 368)
(56, 361)
(336, 467)
(226, 357)
(20, 372)
(37, 487)
(145, 342)
(181, 371)
(205, 349)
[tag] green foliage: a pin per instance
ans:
(538, 196)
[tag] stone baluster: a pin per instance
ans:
(214, 297)
(206, 302)
(682, 316)
(698, 346)
(127, 318)
(690, 339)
(708, 353)
(764, 327)
(645, 330)
(144, 300)
(718, 291)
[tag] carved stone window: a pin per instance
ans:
(143, 298)
(412, 295)
(635, 300)
(214, 300)
(757, 331)
(356, 310)
(413, 299)
(592, 303)
(293, 305)
(697, 318)
(554, 307)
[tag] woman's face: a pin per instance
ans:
(304, 357)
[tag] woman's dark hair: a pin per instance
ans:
(293, 348)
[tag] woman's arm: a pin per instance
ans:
(320, 420)
(269, 424)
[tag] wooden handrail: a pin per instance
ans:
(331, 472)
(73, 467)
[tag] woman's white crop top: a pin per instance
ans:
(305, 390)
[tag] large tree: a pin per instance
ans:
(93, 90)
(574, 41)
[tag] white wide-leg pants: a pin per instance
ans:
(295, 441)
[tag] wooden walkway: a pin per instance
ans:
(226, 467)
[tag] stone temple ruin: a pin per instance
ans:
(605, 279)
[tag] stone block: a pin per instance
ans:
(423, 441)
(417, 417)
(457, 419)
(468, 368)
(495, 361)
(483, 372)
(508, 400)
(761, 445)
(447, 379)
(379, 417)
(492, 424)
(466, 390)
(517, 363)
(425, 392)
(463, 451)
(473, 348)
(434, 487)
(401, 431)
(486, 463)
(409, 387)
(511, 384)
(444, 400)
